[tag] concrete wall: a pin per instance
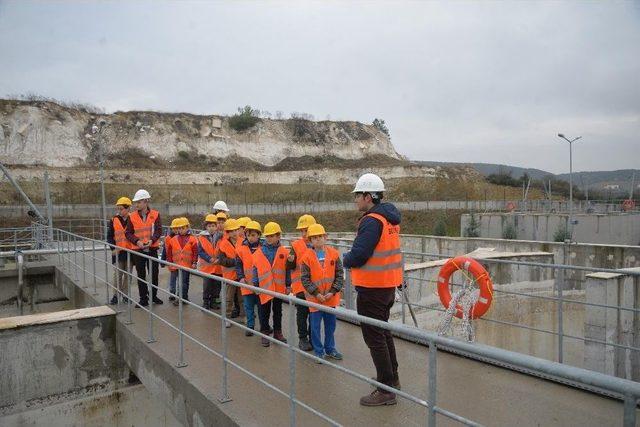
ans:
(124, 407)
(56, 357)
(617, 229)
(613, 325)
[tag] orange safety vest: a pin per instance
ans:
(143, 230)
(167, 241)
(271, 276)
(300, 248)
(384, 268)
(204, 266)
(183, 255)
(322, 275)
(229, 250)
(244, 253)
(119, 234)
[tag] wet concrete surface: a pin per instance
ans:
(484, 393)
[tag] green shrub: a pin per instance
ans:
(184, 155)
(471, 230)
(246, 118)
(440, 227)
(561, 234)
(509, 232)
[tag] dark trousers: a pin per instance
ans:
(210, 289)
(141, 270)
(302, 319)
(376, 303)
(264, 312)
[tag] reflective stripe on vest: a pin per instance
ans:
(119, 235)
(207, 246)
(300, 248)
(322, 275)
(228, 249)
(143, 230)
(384, 269)
(271, 276)
(244, 253)
(183, 255)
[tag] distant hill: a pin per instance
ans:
(593, 179)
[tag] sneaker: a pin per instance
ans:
(278, 335)
(265, 342)
(304, 344)
(143, 303)
(125, 300)
(321, 356)
(270, 331)
(114, 300)
(206, 305)
(157, 300)
(378, 398)
(176, 302)
(234, 313)
(248, 333)
(335, 354)
(172, 298)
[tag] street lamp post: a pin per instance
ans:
(570, 141)
(98, 131)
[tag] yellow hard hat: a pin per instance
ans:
(305, 221)
(124, 201)
(221, 215)
(231, 225)
(315, 230)
(243, 221)
(211, 218)
(271, 228)
(179, 222)
(254, 225)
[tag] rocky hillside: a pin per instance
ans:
(34, 133)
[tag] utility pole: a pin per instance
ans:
(570, 141)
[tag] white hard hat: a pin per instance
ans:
(220, 206)
(369, 183)
(141, 195)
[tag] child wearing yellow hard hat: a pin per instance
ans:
(208, 261)
(244, 271)
(182, 250)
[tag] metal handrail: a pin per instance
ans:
(628, 390)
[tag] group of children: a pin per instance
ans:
(241, 250)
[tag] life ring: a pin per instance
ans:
(628, 205)
(511, 206)
(480, 276)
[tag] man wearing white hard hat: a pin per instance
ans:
(144, 230)
(220, 206)
(375, 260)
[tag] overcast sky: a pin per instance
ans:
(455, 81)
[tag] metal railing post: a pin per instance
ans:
(560, 307)
(224, 397)
(130, 278)
(181, 363)
(629, 417)
(348, 290)
(75, 258)
(403, 299)
(150, 338)
(84, 267)
(15, 240)
(59, 247)
(106, 272)
(433, 350)
(292, 365)
(95, 275)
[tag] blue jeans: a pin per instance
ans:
(250, 302)
(173, 279)
(316, 318)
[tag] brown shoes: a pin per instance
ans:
(378, 398)
(278, 335)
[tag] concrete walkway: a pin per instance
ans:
(484, 393)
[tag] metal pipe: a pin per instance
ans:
(20, 290)
(22, 193)
(129, 320)
(181, 363)
(292, 366)
(224, 397)
(432, 383)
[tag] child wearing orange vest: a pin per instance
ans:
(244, 270)
(298, 249)
(182, 250)
(172, 277)
(322, 279)
(116, 236)
(269, 272)
(227, 259)
(208, 262)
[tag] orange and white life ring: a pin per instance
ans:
(480, 276)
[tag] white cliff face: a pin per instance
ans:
(43, 133)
